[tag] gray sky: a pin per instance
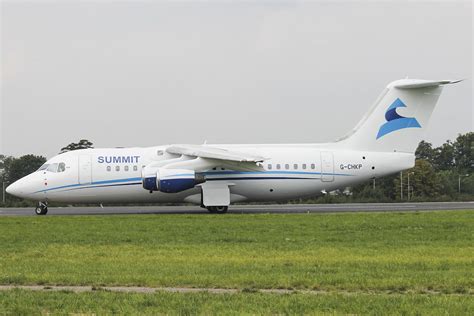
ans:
(148, 73)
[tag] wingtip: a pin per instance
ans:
(455, 81)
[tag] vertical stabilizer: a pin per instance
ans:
(399, 117)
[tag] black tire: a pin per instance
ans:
(41, 210)
(211, 209)
(221, 209)
(217, 209)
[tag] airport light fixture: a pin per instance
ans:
(401, 185)
(3, 191)
(408, 186)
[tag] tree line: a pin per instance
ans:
(440, 173)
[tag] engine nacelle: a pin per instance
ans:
(172, 180)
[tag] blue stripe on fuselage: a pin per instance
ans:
(106, 183)
(274, 172)
(91, 184)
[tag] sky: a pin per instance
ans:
(144, 73)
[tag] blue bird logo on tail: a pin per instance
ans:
(395, 121)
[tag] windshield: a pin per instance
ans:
(53, 167)
(43, 167)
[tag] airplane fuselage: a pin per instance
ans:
(292, 172)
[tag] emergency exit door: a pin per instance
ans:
(327, 166)
(85, 169)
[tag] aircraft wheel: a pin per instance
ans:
(211, 209)
(41, 209)
(218, 209)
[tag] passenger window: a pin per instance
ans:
(108, 168)
(117, 168)
(126, 168)
(287, 166)
(303, 166)
(135, 168)
(295, 166)
(62, 167)
(278, 166)
(53, 167)
(269, 167)
(313, 166)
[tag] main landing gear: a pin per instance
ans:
(42, 208)
(217, 209)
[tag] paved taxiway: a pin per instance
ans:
(247, 209)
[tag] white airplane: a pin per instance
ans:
(214, 176)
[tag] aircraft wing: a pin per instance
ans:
(207, 157)
(218, 153)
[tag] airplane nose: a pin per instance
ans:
(25, 187)
(17, 188)
(13, 188)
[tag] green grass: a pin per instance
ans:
(371, 251)
(28, 302)
(382, 259)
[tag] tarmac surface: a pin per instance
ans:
(246, 209)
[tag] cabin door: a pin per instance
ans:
(85, 169)
(327, 166)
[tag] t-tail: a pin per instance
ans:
(398, 119)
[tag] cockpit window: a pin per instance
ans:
(43, 167)
(61, 167)
(53, 167)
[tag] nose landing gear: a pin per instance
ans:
(42, 208)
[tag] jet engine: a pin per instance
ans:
(172, 180)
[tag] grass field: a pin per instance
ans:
(365, 261)
(26, 302)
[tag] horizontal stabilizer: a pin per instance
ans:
(418, 83)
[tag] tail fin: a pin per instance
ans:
(399, 117)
